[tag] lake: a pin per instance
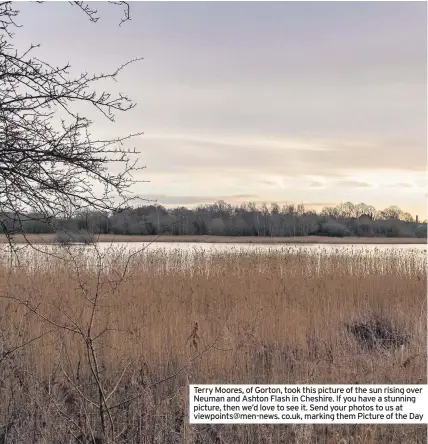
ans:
(187, 249)
(237, 247)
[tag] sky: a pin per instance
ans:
(300, 102)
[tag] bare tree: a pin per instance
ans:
(49, 161)
(392, 213)
(407, 217)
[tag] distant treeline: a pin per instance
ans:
(223, 219)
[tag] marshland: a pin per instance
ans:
(101, 343)
(139, 252)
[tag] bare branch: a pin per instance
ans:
(46, 165)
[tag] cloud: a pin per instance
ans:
(167, 199)
(310, 204)
(352, 184)
(316, 184)
(279, 155)
(401, 185)
(271, 183)
(320, 204)
(317, 122)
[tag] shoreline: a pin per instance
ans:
(112, 238)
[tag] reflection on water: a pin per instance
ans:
(212, 248)
(181, 253)
(288, 248)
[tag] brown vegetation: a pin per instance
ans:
(51, 238)
(88, 345)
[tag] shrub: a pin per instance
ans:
(421, 231)
(377, 331)
(333, 228)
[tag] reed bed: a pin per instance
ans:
(99, 347)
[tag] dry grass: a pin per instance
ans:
(50, 238)
(225, 318)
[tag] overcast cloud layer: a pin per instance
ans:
(301, 102)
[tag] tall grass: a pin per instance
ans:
(200, 318)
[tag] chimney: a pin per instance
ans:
(417, 219)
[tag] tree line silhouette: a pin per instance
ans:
(223, 219)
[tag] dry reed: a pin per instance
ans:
(219, 318)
